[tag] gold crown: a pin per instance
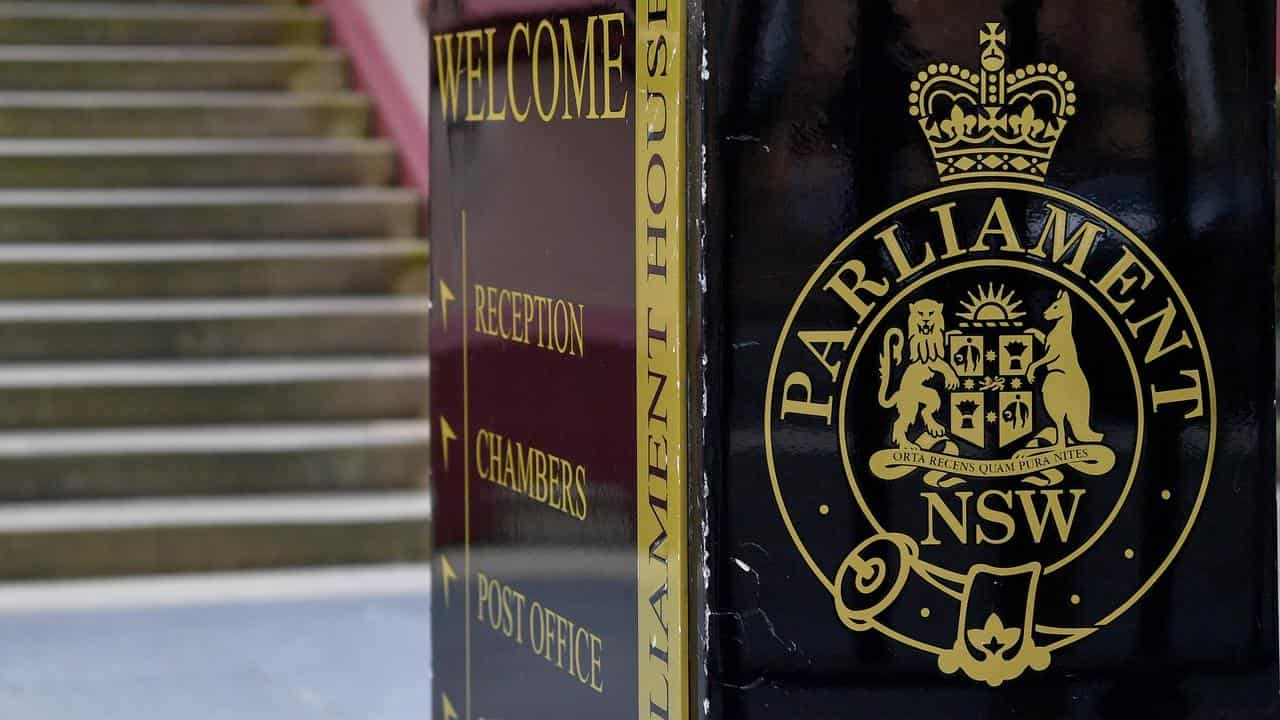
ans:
(992, 123)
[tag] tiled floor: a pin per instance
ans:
(339, 647)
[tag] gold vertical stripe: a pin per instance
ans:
(466, 465)
(661, 505)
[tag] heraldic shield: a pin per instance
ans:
(1002, 390)
(994, 405)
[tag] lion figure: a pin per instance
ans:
(914, 400)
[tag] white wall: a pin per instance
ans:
(402, 28)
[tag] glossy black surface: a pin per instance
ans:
(808, 137)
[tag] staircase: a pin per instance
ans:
(213, 297)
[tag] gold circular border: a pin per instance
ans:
(1078, 203)
(865, 333)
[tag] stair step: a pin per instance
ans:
(125, 537)
(78, 330)
(78, 215)
(38, 22)
(298, 69)
(241, 459)
(195, 163)
(191, 392)
(182, 114)
(194, 269)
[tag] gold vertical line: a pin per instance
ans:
(466, 465)
(661, 494)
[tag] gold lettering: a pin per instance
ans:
(998, 223)
(517, 307)
(578, 343)
(1001, 515)
(504, 298)
(576, 81)
(465, 64)
(549, 110)
(802, 404)
(492, 303)
(998, 516)
(475, 73)
(849, 293)
(947, 224)
(480, 438)
(552, 636)
(1119, 280)
(1039, 521)
(528, 316)
(520, 28)
(480, 314)
(494, 115)
(501, 607)
(1192, 393)
(959, 526)
(507, 314)
(1055, 229)
(826, 338)
(889, 237)
(613, 62)
(1159, 346)
(448, 73)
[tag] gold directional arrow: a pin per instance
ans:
(446, 435)
(449, 712)
(446, 296)
(447, 572)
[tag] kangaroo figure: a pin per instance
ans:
(1066, 390)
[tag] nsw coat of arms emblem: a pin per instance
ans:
(990, 374)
